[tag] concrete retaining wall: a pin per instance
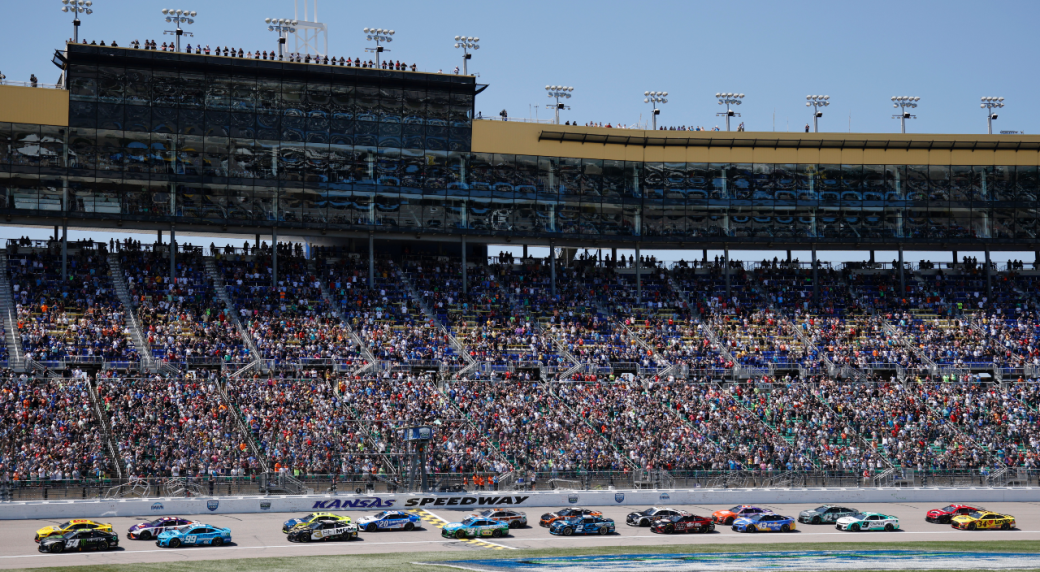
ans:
(371, 503)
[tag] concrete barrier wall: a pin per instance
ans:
(372, 503)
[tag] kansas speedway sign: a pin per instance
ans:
(465, 501)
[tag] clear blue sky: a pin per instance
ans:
(949, 53)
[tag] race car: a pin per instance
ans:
(983, 519)
(195, 535)
(80, 540)
(728, 516)
(582, 525)
(648, 516)
(324, 531)
(825, 514)
(764, 523)
(684, 522)
(389, 520)
(867, 521)
(514, 518)
(551, 517)
(945, 514)
(474, 527)
(69, 526)
(314, 517)
(151, 529)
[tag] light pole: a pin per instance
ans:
(989, 104)
(179, 17)
(729, 99)
(77, 7)
(558, 91)
(655, 97)
(282, 27)
(816, 102)
(378, 35)
(904, 102)
(466, 43)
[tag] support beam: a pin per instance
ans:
(613, 257)
(872, 257)
(989, 277)
(173, 256)
(902, 280)
(258, 241)
(955, 257)
(56, 235)
(725, 264)
(274, 257)
(704, 256)
(815, 278)
(788, 256)
(372, 260)
(639, 277)
(65, 252)
(159, 236)
(552, 267)
(465, 282)
(525, 252)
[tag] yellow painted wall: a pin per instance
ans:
(34, 105)
(513, 137)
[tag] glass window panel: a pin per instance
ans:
(319, 99)
(243, 125)
(138, 118)
(570, 176)
(110, 116)
(218, 123)
(268, 96)
(110, 152)
(939, 179)
(613, 185)
(807, 180)
(390, 105)
(244, 160)
(873, 182)
(653, 180)
(82, 153)
(193, 90)
(110, 84)
(437, 107)
(292, 165)
(268, 127)
(526, 176)
(342, 102)
(190, 156)
(1026, 184)
(243, 94)
(895, 182)
(388, 207)
(962, 184)
(414, 110)
(436, 171)
(292, 98)
(548, 175)
(367, 103)
(83, 83)
(191, 121)
(830, 184)
(218, 91)
(720, 183)
(741, 180)
(917, 183)
(166, 89)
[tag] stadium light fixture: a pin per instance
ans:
(655, 97)
(378, 35)
(816, 102)
(283, 28)
(989, 104)
(77, 7)
(466, 43)
(904, 102)
(558, 92)
(179, 17)
(728, 99)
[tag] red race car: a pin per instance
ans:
(682, 523)
(945, 515)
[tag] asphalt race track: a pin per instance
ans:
(260, 535)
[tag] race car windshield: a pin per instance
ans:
(976, 514)
(379, 514)
(485, 513)
(754, 517)
(859, 516)
(469, 521)
(64, 525)
(821, 508)
(950, 508)
(306, 517)
(676, 518)
(736, 509)
(647, 512)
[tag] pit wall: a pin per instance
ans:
(508, 499)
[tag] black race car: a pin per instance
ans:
(684, 522)
(319, 530)
(80, 540)
(648, 516)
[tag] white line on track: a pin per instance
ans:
(766, 535)
(302, 544)
(480, 539)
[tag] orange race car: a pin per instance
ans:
(551, 517)
(727, 517)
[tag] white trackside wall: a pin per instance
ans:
(510, 499)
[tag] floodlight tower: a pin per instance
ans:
(816, 102)
(283, 27)
(989, 104)
(655, 97)
(466, 43)
(904, 102)
(312, 37)
(729, 99)
(558, 91)
(77, 7)
(179, 17)
(378, 35)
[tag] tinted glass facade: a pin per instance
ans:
(166, 137)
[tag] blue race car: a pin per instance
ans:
(764, 523)
(583, 525)
(196, 535)
(389, 520)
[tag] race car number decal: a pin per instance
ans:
(71, 543)
(190, 539)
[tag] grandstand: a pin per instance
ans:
(296, 364)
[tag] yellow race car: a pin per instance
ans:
(983, 519)
(69, 526)
(314, 517)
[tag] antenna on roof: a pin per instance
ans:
(312, 37)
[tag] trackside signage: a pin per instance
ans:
(66, 509)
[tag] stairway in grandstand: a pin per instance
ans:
(115, 270)
(7, 308)
(231, 312)
(416, 296)
(327, 297)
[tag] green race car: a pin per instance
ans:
(867, 521)
(475, 527)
